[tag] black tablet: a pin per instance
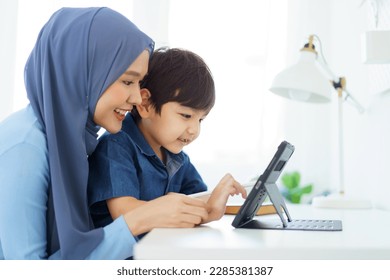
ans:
(266, 186)
(259, 191)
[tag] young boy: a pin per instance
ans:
(145, 161)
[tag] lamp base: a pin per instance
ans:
(341, 201)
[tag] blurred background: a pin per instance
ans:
(246, 43)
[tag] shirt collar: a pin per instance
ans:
(130, 127)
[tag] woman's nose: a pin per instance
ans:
(135, 98)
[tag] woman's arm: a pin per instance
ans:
(23, 200)
(172, 210)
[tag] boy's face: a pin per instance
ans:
(176, 127)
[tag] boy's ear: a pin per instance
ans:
(144, 108)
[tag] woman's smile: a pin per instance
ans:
(120, 114)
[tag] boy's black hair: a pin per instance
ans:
(178, 75)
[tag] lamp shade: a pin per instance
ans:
(304, 81)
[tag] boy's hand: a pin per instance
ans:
(173, 210)
(216, 204)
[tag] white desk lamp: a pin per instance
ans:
(308, 81)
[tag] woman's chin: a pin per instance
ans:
(113, 128)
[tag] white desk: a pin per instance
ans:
(365, 235)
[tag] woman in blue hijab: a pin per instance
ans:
(82, 74)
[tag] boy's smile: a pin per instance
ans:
(184, 141)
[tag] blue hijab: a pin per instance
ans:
(79, 53)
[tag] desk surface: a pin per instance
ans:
(365, 235)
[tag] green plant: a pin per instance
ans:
(293, 192)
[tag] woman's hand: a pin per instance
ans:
(168, 211)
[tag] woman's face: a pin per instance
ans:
(120, 97)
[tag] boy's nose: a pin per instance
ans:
(193, 129)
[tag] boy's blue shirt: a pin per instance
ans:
(124, 164)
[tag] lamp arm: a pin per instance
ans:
(348, 98)
(351, 100)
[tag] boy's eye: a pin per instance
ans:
(187, 116)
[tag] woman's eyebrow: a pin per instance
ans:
(132, 73)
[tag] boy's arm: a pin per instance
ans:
(112, 174)
(121, 205)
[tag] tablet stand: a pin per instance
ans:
(280, 207)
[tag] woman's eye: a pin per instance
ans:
(127, 83)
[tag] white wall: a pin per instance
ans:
(313, 128)
(152, 17)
